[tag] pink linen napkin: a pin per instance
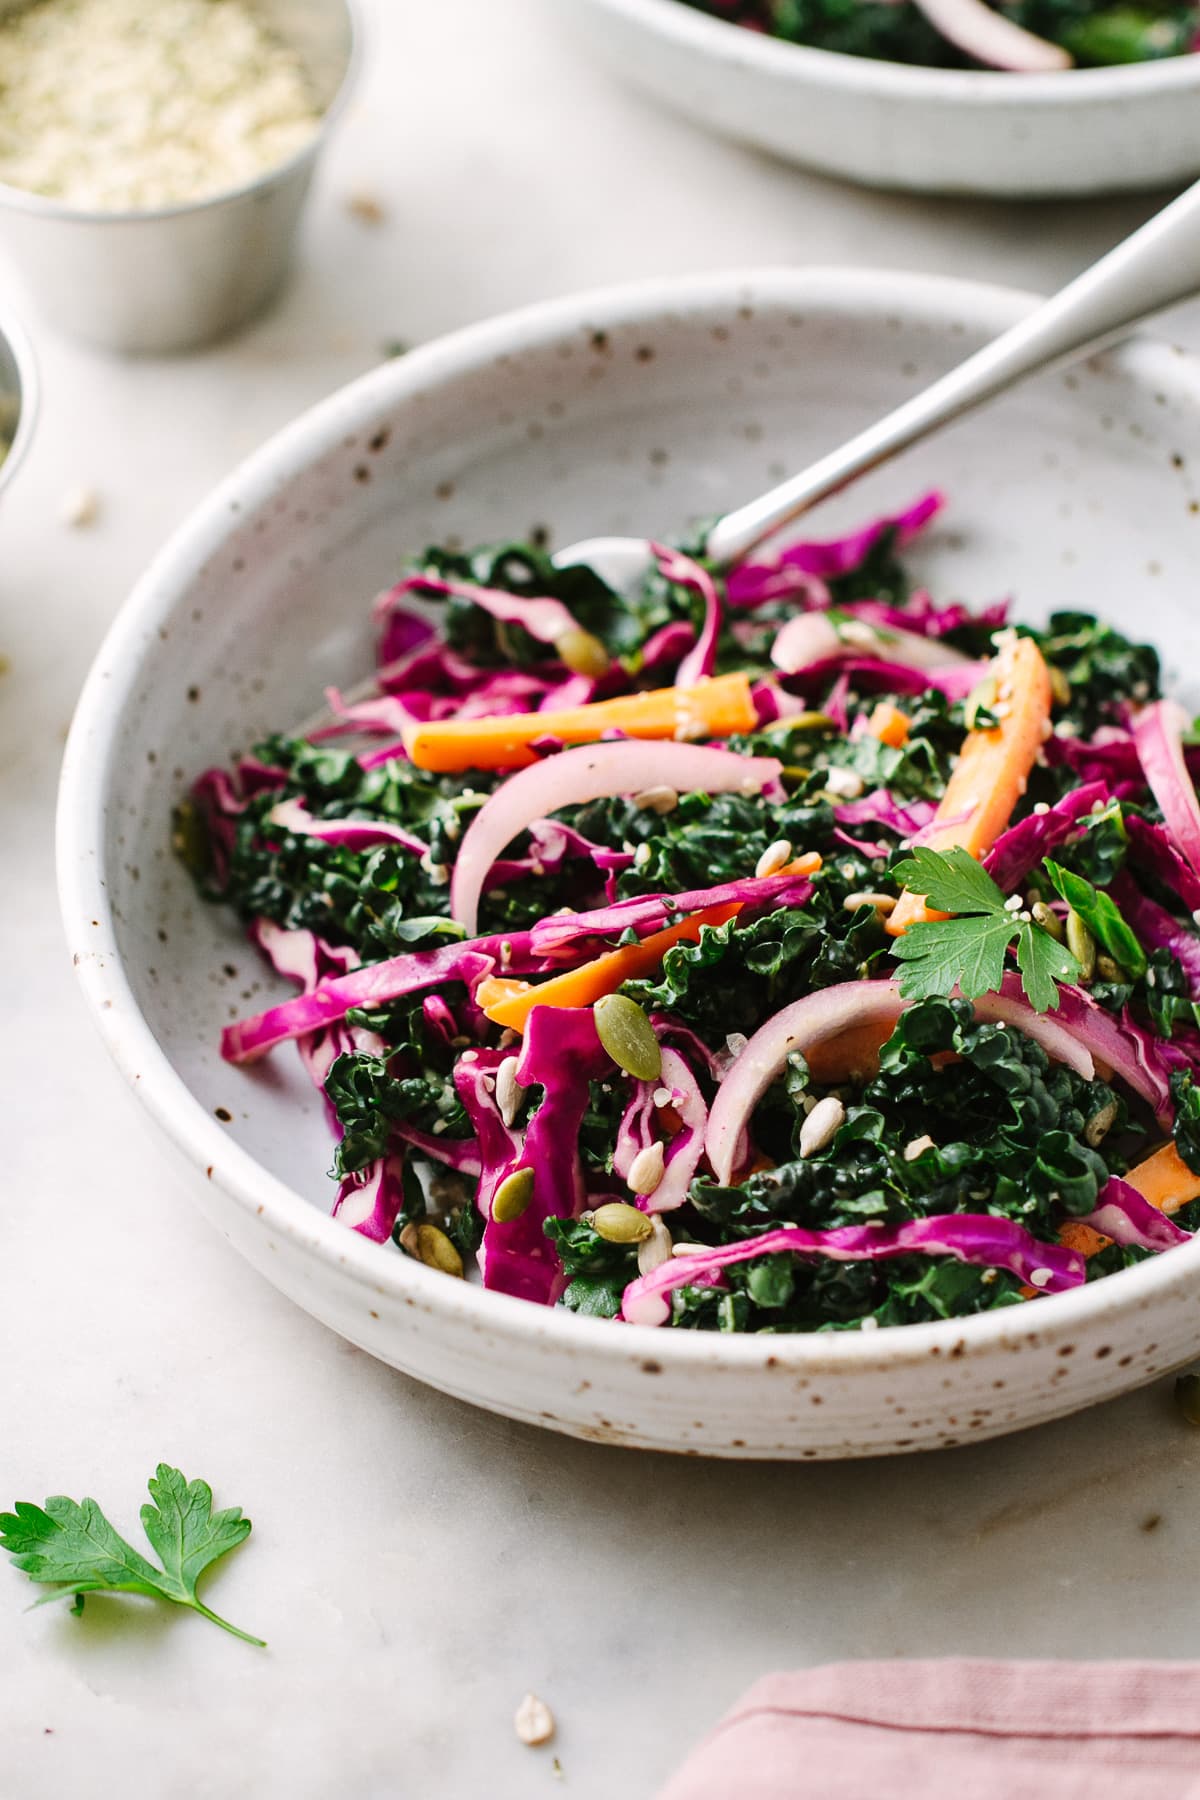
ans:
(957, 1730)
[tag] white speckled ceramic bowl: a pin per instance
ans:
(632, 410)
(941, 131)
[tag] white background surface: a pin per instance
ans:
(417, 1566)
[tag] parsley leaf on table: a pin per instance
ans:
(70, 1545)
(967, 952)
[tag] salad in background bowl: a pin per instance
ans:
(653, 407)
(1050, 97)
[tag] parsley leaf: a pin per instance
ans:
(1043, 962)
(70, 1545)
(966, 954)
(951, 880)
(944, 954)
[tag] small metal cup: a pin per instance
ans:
(18, 397)
(179, 276)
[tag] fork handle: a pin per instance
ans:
(1158, 265)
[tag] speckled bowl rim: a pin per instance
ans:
(28, 394)
(724, 41)
(26, 200)
(111, 687)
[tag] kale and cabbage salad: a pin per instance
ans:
(777, 951)
(1022, 36)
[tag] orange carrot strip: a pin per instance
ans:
(711, 709)
(1165, 1180)
(603, 975)
(889, 725)
(992, 771)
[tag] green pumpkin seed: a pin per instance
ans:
(512, 1197)
(617, 1223)
(1100, 1124)
(1048, 919)
(1108, 969)
(1082, 946)
(583, 653)
(628, 1036)
(436, 1251)
(1060, 687)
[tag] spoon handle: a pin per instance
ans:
(1155, 267)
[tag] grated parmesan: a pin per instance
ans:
(116, 105)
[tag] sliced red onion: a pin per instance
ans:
(635, 1131)
(1092, 1031)
(808, 638)
(685, 572)
(1127, 1217)
(802, 1026)
(1158, 733)
(827, 1014)
(350, 834)
(993, 39)
(666, 647)
(591, 772)
(683, 1152)
(975, 1238)
(1010, 1007)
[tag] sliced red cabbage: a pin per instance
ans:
(752, 583)
(650, 912)
(1157, 929)
(545, 619)
(1151, 848)
(373, 985)
(402, 629)
(369, 1201)
(498, 1145)
(685, 571)
(955, 680)
(350, 834)
(979, 1239)
(667, 646)
(921, 613)
(551, 844)
(560, 1053)
(1019, 850)
(1127, 1217)
(1158, 733)
(592, 772)
(677, 1087)
(879, 808)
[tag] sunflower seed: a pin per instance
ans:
(646, 1169)
(660, 800)
(533, 1721)
(655, 1250)
(822, 1125)
(916, 1147)
(883, 903)
(844, 784)
(509, 1092)
(773, 858)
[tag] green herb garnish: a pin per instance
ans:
(967, 952)
(70, 1545)
(1102, 917)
